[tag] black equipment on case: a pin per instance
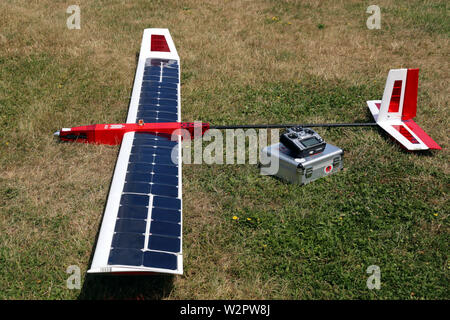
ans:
(302, 142)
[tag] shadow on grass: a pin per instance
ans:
(126, 287)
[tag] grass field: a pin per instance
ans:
(242, 62)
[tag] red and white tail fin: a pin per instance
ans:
(395, 112)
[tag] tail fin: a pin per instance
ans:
(400, 95)
(394, 113)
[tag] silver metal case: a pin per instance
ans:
(300, 170)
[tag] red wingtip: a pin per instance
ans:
(422, 134)
(159, 43)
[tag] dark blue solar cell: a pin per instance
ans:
(167, 102)
(165, 142)
(164, 243)
(127, 257)
(165, 152)
(167, 215)
(164, 190)
(148, 100)
(149, 90)
(131, 212)
(160, 120)
(144, 101)
(150, 114)
(128, 240)
(168, 96)
(140, 139)
(168, 91)
(165, 169)
(172, 116)
(145, 136)
(168, 203)
(164, 117)
(160, 260)
(151, 119)
(156, 72)
(165, 179)
(152, 68)
(159, 143)
(142, 157)
(163, 135)
(139, 177)
(169, 80)
(148, 106)
(137, 187)
(158, 89)
(151, 78)
(152, 86)
(159, 84)
(168, 161)
(154, 75)
(147, 147)
(144, 109)
(170, 71)
(130, 225)
(139, 147)
(134, 200)
(154, 141)
(149, 95)
(165, 228)
(140, 167)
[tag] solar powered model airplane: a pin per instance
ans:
(141, 230)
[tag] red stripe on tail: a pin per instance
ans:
(410, 100)
(404, 132)
(394, 104)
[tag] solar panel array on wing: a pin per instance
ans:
(159, 92)
(148, 226)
